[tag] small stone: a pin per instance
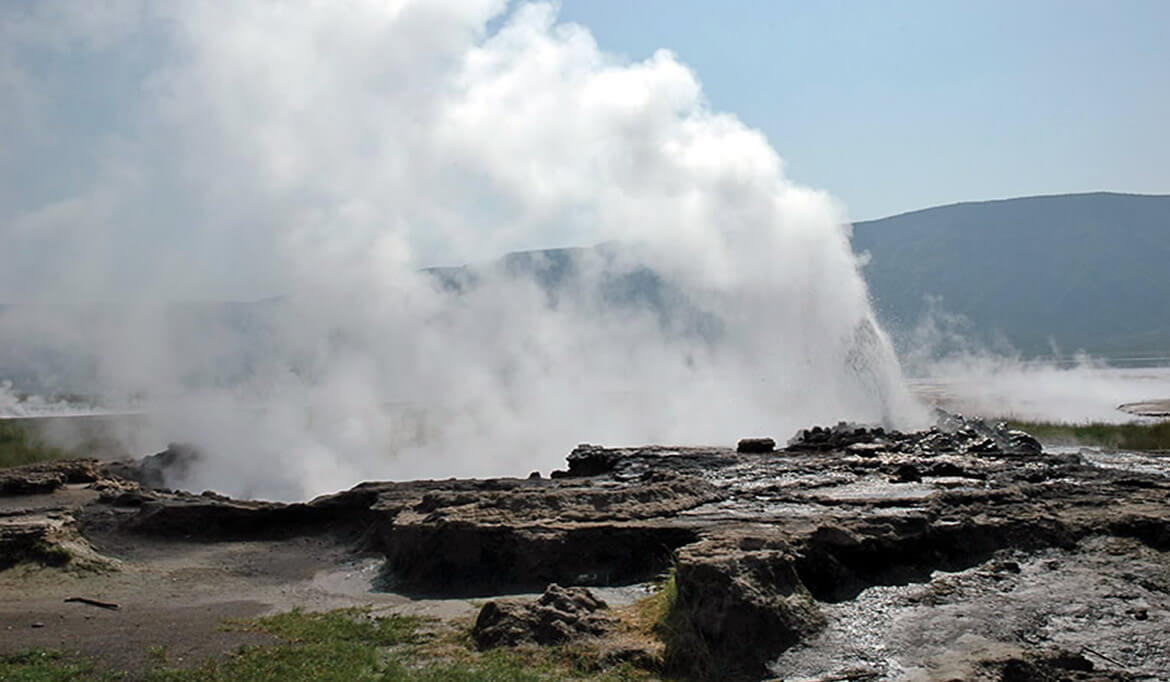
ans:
(38, 624)
(534, 476)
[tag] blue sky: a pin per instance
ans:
(889, 106)
(191, 141)
(894, 106)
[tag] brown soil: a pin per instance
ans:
(175, 595)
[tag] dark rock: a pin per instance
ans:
(744, 598)
(45, 477)
(29, 542)
(591, 460)
(30, 483)
(906, 473)
(79, 470)
(468, 558)
(976, 437)
(167, 469)
(560, 615)
(118, 492)
(1137, 482)
(1052, 665)
(1067, 660)
(186, 515)
(953, 434)
(1150, 530)
(534, 476)
(755, 445)
(1019, 443)
(946, 469)
(127, 498)
(170, 467)
(838, 437)
(868, 449)
(51, 540)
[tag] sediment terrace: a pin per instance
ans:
(961, 552)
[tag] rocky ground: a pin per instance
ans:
(963, 552)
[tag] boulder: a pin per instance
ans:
(591, 460)
(29, 542)
(740, 603)
(952, 434)
(560, 615)
(755, 445)
(839, 437)
(30, 482)
(168, 468)
(45, 477)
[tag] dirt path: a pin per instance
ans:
(174, 596)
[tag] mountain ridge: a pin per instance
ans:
(1037, 276)
(1007, 200)
(1075, 271)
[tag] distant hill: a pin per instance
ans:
(1075, 272)
(1085, 271)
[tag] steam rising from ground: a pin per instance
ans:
(950, 370)
(1001, 387)
(325, 152)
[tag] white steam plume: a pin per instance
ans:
(947, 368)
(325, 151)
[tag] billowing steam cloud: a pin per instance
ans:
(324, 152)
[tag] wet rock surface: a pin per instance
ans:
(952, 435)
(958, 552)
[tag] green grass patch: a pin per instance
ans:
(39, 665)
(351, 625)
(22, 442)
(347, 644)
(353, 644)
(19, 444)
(1131, 436)
(687, 653)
